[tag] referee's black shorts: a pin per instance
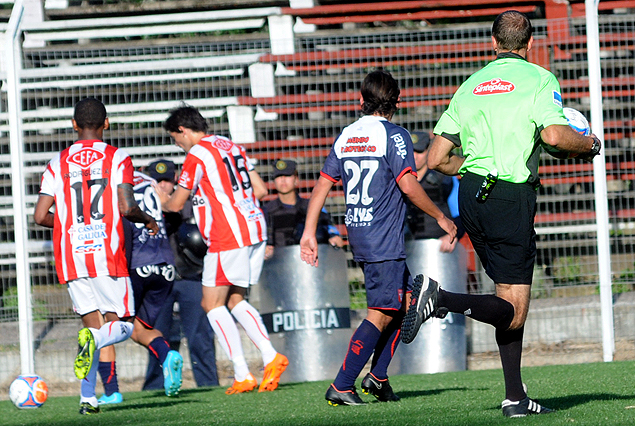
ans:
(502, 228)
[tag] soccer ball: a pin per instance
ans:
(577, 121)
(28, 392)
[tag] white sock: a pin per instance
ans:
(251, 321)
(112, 332)
(227, 333)
(89, 382)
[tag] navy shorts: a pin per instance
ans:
(386, 283)
(151, 285)
(502, 228)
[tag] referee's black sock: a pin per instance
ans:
(485, 308)
(510, 345)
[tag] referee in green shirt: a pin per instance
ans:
(499, 117)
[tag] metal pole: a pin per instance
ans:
(599, 179)
(13, 58)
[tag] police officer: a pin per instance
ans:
(286, 214)
(499, 117)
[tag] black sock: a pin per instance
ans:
(510, 345)
(485, 308)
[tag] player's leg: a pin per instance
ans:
(384, 301)
(216, 286)
(108, 372)
(376, 382)
(248, 316)
(151, 287)
(89, 301)
(164, 323)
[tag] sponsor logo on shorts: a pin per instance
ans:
(86, 157)
(495, 86)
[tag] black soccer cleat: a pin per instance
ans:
(87, 408)
(423, 305)
(347, 397)
(524, 407)
(380, 389)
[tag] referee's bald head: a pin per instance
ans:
(512, 30)
(90, 113)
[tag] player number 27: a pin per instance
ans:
(360, 175)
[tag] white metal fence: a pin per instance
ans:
(285, 94)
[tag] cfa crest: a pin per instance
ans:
(86, 157)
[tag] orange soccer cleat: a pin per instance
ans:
(273, 371)
(246, 385)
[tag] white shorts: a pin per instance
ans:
(240, 267)
(104, 294)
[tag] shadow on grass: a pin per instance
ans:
(567, 402)
(427, 392)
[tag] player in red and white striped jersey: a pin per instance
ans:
(90, 185)
(225, 191)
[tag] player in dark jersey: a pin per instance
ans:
(151, 267)
(373, 158)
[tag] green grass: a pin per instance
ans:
(585, 394)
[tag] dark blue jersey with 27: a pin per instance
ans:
(370, 156)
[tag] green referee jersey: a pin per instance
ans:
(497, 114)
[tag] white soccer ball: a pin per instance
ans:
(28, 391)
(577, 121)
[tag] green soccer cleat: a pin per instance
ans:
(86, 409)
(84, 359)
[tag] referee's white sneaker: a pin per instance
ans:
(524, 407)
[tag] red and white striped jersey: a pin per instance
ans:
(227, 213)
(88, 232)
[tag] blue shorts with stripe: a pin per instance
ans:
(386, 283)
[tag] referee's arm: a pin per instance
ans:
(440, 156)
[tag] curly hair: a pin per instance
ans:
(380, 92)
(89, 113)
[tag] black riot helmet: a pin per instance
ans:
(191, 243)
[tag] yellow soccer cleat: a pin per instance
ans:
(246, 385)
(84, 359)
(273, 371)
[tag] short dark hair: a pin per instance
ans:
(89, 113)
(186, 116)
(512, 30)
(380, 92)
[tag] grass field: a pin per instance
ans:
(584, 394)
